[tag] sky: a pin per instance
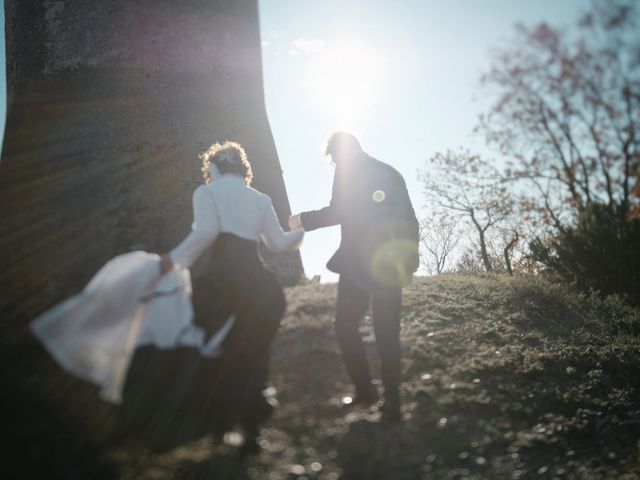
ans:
(403, 76)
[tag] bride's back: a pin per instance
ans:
(240, 209)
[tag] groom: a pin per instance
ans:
(377, 254)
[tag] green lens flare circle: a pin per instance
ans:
(389, 262)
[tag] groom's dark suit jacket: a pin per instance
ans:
(371, 203)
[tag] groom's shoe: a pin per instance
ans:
(362, 398)
(250, 446)
(390, 410)
(260, 410)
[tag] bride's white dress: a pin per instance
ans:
(127, 304)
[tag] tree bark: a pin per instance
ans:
(109, 105)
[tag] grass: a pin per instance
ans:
(503, 378)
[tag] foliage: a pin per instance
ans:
(464, 186)
(567, 112)
(439, 237)
(566, 117)
(469, 262)
(601, 252)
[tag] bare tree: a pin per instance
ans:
(567, 111)
(469, 261)
(438, 240)
(465, 186)
(507, 251)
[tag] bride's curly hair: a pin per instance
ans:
(228, 157)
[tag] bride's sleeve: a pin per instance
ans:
(204, 229)
(275, 238)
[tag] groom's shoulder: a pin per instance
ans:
(385, 167)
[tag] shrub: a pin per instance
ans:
(600, 252)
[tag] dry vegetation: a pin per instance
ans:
(504, 378)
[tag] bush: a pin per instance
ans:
(600, 252)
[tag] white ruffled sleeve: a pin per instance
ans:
(274, 237)
(204, 229)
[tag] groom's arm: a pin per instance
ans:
(327, 216)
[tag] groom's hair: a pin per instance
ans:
(338, 142)
(228, 157)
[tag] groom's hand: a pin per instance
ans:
(295, 223)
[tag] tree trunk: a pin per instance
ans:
(483, 243)
(507, 253)
(483, 252)
(109, 105)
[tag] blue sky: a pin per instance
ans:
(412, 87)
(418, 63)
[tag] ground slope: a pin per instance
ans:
(503, 378)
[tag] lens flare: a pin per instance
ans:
(379, 196)
(389, 262)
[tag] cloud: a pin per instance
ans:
(308, 46)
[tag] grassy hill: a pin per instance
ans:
(503, 378)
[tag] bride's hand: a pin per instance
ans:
(295, 223)
(166, 264)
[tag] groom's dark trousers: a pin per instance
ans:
(352, 305)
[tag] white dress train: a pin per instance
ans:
(127, 304)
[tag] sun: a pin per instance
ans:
(345, 80)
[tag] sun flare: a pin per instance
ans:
(345, 80)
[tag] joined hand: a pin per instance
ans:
(295, 223)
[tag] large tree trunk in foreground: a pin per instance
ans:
(109, 104)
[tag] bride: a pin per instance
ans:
(238, 304)
(230, 217)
